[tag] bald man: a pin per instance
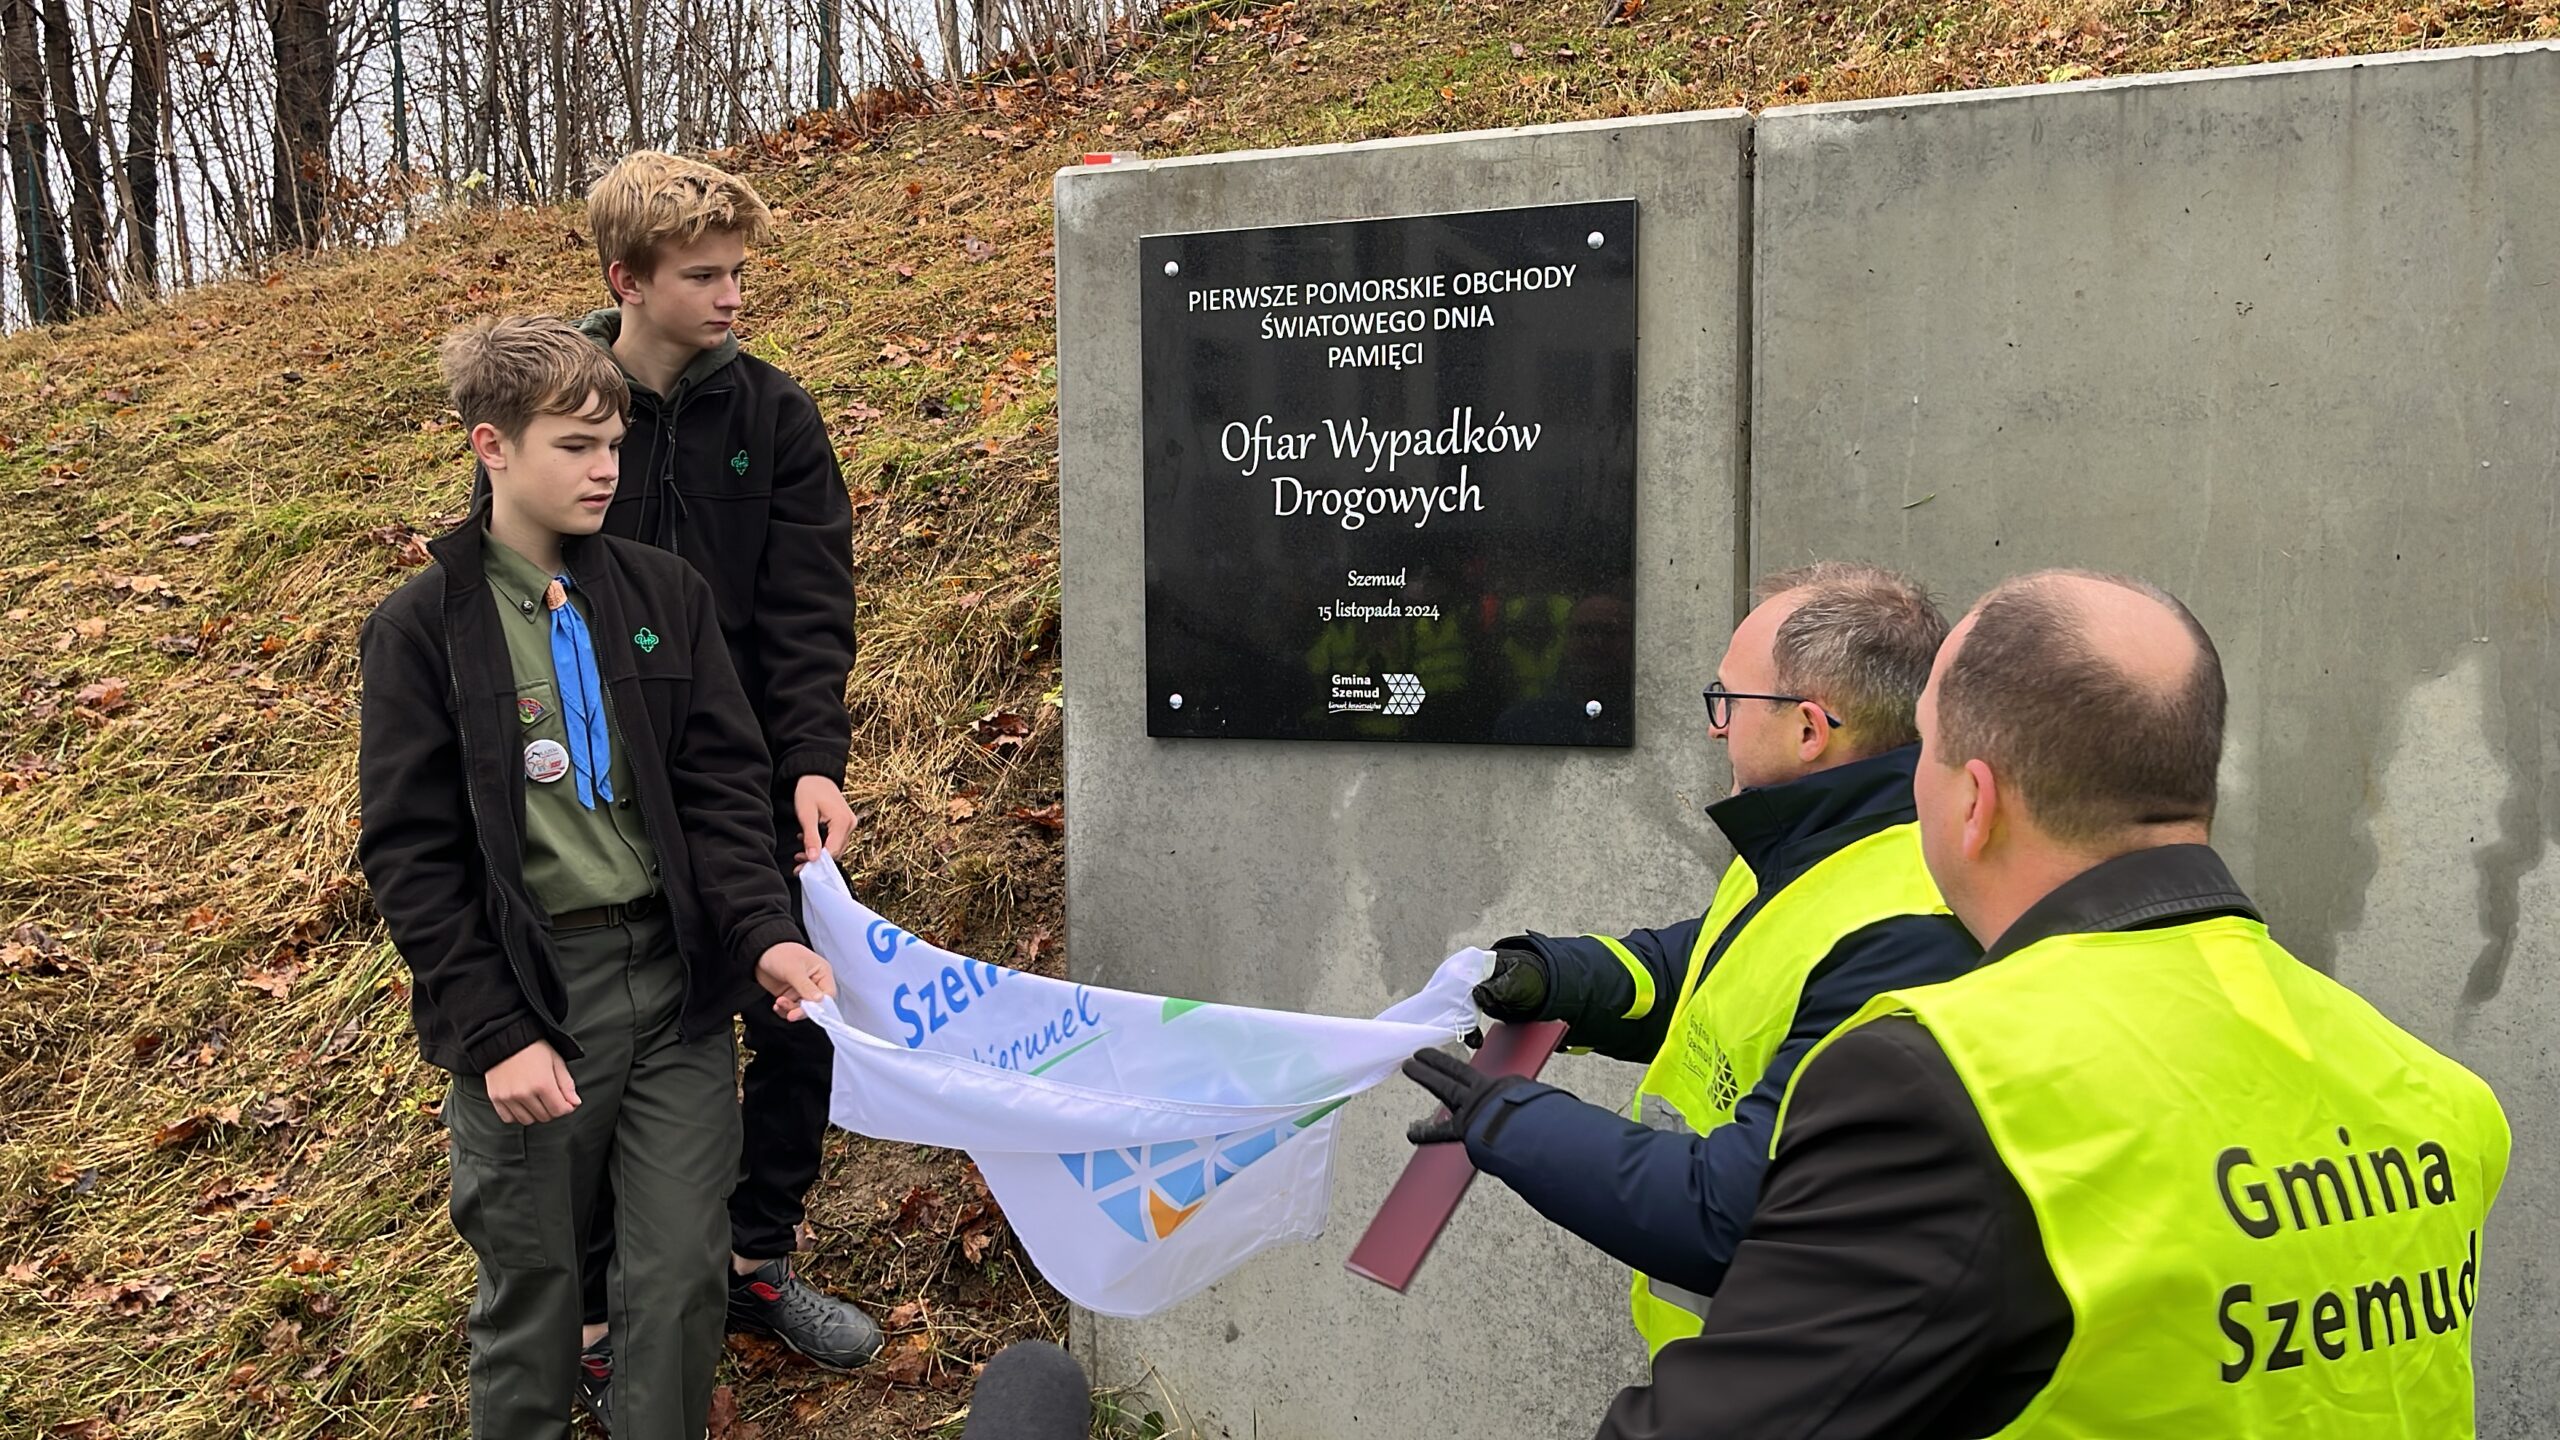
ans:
(2143, 1175)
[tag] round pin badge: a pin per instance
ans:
(545, 761)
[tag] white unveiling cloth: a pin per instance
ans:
(1141, 1147)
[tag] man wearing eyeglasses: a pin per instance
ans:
(1826, 904)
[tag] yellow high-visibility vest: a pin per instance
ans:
(2262, 1198)
(1729, 1024)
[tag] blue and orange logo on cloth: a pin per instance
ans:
(1150, 1190)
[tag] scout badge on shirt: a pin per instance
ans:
(545, 761)
(530, 710)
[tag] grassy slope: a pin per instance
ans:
(220, 1178)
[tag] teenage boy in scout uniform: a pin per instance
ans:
(566, 830)
(728, 464)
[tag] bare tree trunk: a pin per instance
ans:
(830, 52)
(44, 269)
(492, 123)
(178, 231)
(948, 13)
(528, 161)
(306, 77)
(90, 288)
(681, 90)
(564, 100)
(441, 85)
(146, 93)
(982, 31)
(635, 48)
(399, 106)
(737, 46)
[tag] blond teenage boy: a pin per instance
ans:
(565, 827)
(727, 464)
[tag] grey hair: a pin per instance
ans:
(1861, 641)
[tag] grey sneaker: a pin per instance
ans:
(775, 1301)
(595, 1382)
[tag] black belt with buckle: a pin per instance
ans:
(595, 916)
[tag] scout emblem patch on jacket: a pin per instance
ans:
(645, 638)
(530, 710)
(738, 462)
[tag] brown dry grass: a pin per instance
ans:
(224, 1180)
(220, 1181)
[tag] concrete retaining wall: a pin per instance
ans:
(2286, 340)
(1334, 876)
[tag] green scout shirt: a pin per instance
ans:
(574, 858)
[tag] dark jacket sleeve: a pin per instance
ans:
(420, 855)
(1886, 1272)
(717, 767)
(1674, 1203)
(1604, 1005)
(804, 598)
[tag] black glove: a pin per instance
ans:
(1517, 988)
(1458, 1085)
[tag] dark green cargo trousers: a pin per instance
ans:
(659, 1116)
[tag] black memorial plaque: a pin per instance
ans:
(1390, 478)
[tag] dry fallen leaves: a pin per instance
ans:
(1051, 817)
(277, 978)
(134, 1297)
(104, 697)
(408, 548)
(1028, 950)
(920, 1203)
(1000, 731)
(193, 1127)
(31, 950)
(280, 1111)
(725, 1424)
(907, 1366)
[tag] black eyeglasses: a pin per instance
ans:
(1720, 704)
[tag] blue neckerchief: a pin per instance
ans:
(573, 662)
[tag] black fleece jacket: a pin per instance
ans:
(442, 778)
(733, 470)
